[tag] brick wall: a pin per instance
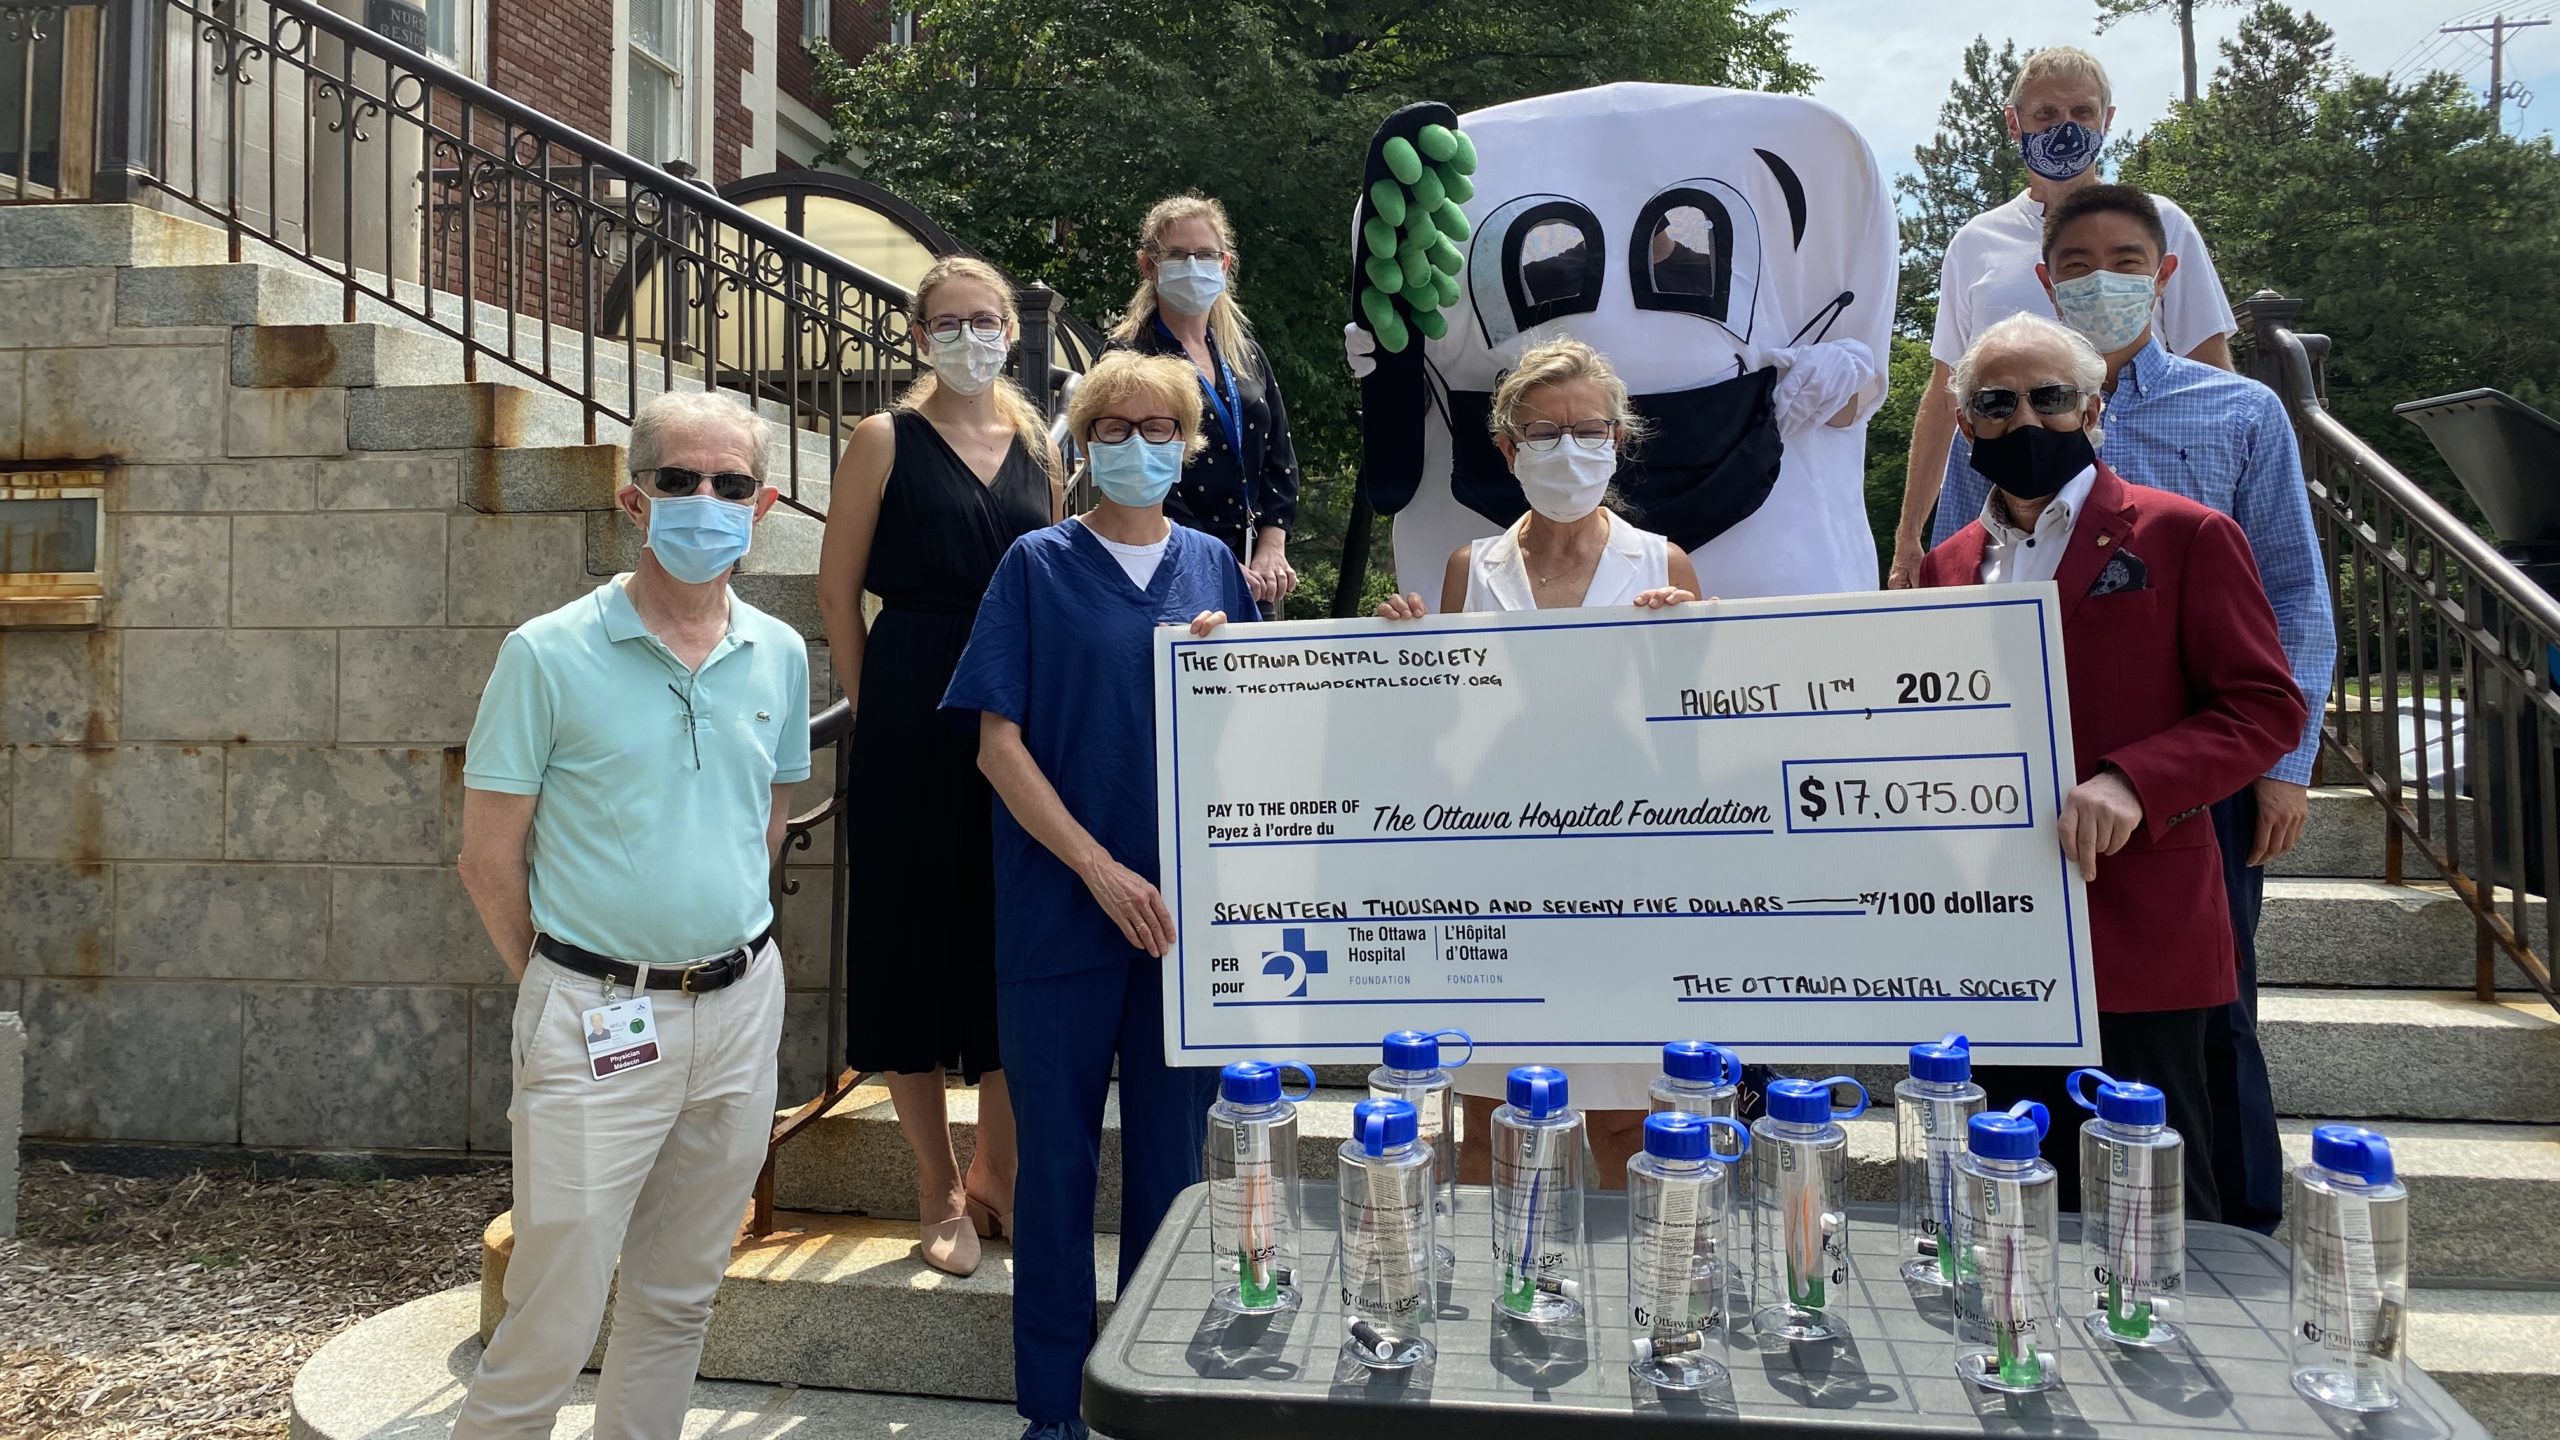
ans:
(858, 29)
(733, 57)
(556, 56)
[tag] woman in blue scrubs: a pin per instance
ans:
(1058, 679)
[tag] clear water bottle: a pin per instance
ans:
(2007, 1244)
(2350, 1271)
(1929, 1114)
(1252, 1164)
(1698, 1079)
(1384, 1251)
(1538, 1261)
(1681, 1257)
(1800, 1207)
(2133, 1211)
(1412, 1074)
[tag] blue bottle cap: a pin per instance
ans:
(2352, 1150)
(1678, 1135)
(2011, 1134)
(1701, 1063)
(1808, 1102)
(1382, 1125)
(1257, 1082)
(1947, 1061)
(1420, 1049)
(2120, 1102)
(1538, 1090)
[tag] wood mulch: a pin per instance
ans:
(142, 1308)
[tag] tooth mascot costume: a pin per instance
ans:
(1732, 253)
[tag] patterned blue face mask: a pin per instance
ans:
(2108, 306)
(2063, 151)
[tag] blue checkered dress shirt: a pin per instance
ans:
(2222, 440)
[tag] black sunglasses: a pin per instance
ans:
(2048, 400)
(729, 485)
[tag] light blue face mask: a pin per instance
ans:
(1136, 472)
(1191, 286)
(698, 537)
(2109, 307)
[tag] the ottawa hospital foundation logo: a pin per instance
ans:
(1286, 969)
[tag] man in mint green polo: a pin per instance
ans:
(627, 785)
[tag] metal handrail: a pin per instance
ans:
(831, 728)
(2429, 611)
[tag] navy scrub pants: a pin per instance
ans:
(2248, 1154)
(1060, 1035)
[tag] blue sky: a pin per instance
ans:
(1886, 64)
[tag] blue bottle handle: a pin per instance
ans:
(1740, 1132)
(1464, 1038)
(1833, 1084)
(2085, 1095)
(1284, 1067)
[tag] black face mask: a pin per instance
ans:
(2031, 462)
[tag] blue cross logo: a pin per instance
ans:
(1291, 964)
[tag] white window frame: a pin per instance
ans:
(683, 115)
(902, 26)
(817, 21)
(471, 35)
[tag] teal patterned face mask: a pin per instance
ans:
(2108, 306)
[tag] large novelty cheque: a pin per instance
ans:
(1816, 830)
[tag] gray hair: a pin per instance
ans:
(2063, 64)
(676, 409)
(2088, 367)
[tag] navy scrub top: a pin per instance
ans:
(1064, 648)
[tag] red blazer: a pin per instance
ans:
(2178, 683)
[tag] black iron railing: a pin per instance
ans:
(48, 56)
(2443, 705)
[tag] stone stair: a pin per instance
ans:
(388, 384)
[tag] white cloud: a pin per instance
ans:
(1886, 64)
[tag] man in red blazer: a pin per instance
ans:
(2180, 695)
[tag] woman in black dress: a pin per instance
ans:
(927, 499)
(1242, 485)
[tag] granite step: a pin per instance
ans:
(2367, 934)
(2495, 1351)
(2411, 1055)
(842, 1302)
(294, 356)
(463, 415)
(2343, 838)
(401, 1375)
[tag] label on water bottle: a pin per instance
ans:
(1245, 1217)
(1666, 1246)
(1381, 1275)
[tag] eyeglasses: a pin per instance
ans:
(1543, 435)
(983, 325)
(1156, 429)
(2047, 400)
(729, 485)
(1211, 254)
(692, 722)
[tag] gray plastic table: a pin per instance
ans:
(1170, 1367)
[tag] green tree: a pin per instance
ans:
(1889, 441)
(2423, 243)
(1967, 167)
(2111, 11)
(1041, 130)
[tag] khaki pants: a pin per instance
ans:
(653, 1166)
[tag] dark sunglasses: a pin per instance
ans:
(2048, 400)
(729, 485)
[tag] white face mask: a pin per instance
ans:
(966, 363)
(1191, 286)
(1566, 483)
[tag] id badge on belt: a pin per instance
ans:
(621, 1035)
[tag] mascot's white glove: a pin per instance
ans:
(1819, 381)
(1361, 349)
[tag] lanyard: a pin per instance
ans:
(1223, 401)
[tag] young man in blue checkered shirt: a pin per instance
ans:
(2224, 440)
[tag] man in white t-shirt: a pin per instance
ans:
(2059, 109)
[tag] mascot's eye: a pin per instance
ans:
(1696, 249)
(1533, 259)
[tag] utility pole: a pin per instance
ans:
(2497, 29)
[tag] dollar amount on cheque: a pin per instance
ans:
(1816, 829)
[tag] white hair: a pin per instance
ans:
(2061, 64)
(2088, 367)
(676, 409)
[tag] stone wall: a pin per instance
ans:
(13, 1055)
(228, 815)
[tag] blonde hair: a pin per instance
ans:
(1560, 362)
(2061, 64)
(1010, 402)
(1122, 374)
(1227, 323)
(675, 409)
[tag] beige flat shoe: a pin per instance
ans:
(950, 1246)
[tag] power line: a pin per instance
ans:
(2497, 28)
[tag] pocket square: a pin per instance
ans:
(2125, 571)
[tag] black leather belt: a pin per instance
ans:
(700, 977)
